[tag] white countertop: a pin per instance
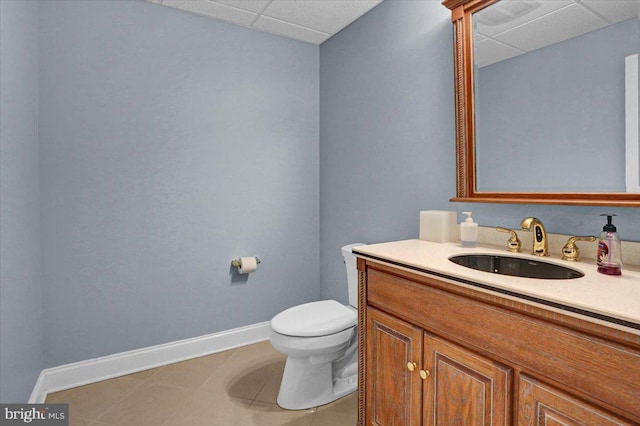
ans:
(613, 296)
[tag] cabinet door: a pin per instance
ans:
(393, 393)
(540, 404)
(463, 388)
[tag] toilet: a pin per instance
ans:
(321, 343)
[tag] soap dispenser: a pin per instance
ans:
(468, 231)
(609, 256)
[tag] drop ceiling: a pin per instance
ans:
(311, 21)
(513, 27)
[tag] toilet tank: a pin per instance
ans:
(352, 273)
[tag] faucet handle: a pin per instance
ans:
(513, 244)
(570, 250)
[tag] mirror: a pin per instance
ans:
(547, 101)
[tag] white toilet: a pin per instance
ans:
(321, 343)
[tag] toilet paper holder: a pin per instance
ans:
(236, 263)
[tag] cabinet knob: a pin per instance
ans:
(411, 366)
(424, 374)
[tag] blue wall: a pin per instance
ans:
(386, 129)
(387, 139)
(21, 341)
(171, 144)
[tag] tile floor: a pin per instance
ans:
(235, 387)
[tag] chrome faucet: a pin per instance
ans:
(540, 244)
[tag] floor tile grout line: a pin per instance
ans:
(70, 391)
(260, 390)
(118, 401)
(175, 410)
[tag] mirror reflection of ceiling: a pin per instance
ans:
(512, 27)
(312, 21)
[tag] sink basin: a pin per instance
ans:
(516, 266)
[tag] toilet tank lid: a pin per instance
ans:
(314, 319)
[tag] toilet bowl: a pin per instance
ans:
(320, 341)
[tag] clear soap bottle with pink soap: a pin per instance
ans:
(609, 256)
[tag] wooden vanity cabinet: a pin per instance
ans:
(463, 388)
(434, 352)
(415, 378)
(394, 393)
(541, 405)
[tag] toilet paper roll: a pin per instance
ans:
(247, 264)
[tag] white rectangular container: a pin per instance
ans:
(438, 226)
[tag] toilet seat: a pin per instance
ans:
(314, 319)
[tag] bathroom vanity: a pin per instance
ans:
(441, 344)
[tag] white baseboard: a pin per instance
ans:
(94, 370)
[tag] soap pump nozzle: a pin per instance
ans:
(469, 219)
(609, 227)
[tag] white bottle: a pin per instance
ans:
(468, 231)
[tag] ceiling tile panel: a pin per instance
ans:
(256, 6)
(312, 21)
(505, 15)
(275, 26)
(489, 51)
(214, 10)
(614, 11)
(560, 25)
(320, 15)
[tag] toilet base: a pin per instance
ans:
(306, 385)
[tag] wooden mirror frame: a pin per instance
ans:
(461, 16)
